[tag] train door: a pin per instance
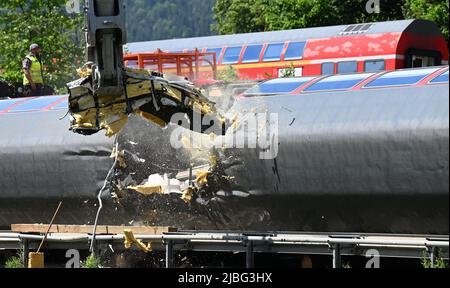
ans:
(422, 58)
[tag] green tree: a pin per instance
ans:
(236, 16)
(45, 22)
(433, 10)
(165, 19)
(289, 72)
(228, 75)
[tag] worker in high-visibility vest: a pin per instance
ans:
(33, 79)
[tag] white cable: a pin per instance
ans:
(99, 197)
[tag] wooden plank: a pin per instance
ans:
(87, 229)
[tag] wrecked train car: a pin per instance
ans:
(351, 153)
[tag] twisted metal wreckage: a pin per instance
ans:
(107, 93)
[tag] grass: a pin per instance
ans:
(440, 263)
(228, 75)
(289, 72)
(91, 262)
(14, 262)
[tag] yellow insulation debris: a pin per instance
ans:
(213, 161)
(152, 118)
(155, 184)
(113, 128)
(187, 195)
(130, 240)
(173, 93)
(84, 119)
(120, 155)
(134, 90)
(84, 72)
(147, 189)
(137, 71)
(234, 122)
(202, 177)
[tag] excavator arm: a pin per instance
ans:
(107, 93)
(105, 32)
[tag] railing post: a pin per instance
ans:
(25, 252)
(169, 254)
(337, 256)
(249, 255)
(432, 252)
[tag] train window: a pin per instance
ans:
(401, 77)
(347, 67)
(328, 68)
(231, 55)
(213, 50)
(276, 86)
(422, 61)
(273, 52)
(295, 51)
(338, 82)
(443, 78)
(252, 53)
(374, 66)
(416, 58)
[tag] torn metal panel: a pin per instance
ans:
(146, 94)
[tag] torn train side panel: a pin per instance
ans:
(146, 94)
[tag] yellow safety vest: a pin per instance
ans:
(35, 71)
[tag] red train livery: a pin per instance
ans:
(368, 47)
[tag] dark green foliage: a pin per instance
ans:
(46, 22)
(434, 10)
(236, 16)
(91, 262)
(166, 19)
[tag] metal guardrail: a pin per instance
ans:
(397, 246)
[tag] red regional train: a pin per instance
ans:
(369, 47)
